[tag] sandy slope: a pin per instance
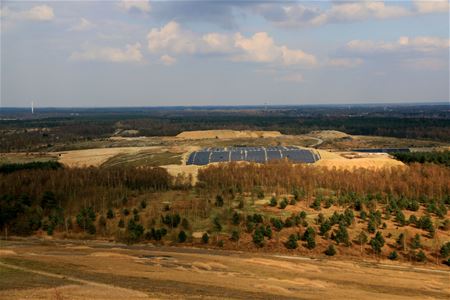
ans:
(226, 134)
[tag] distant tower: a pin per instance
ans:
(32, 107)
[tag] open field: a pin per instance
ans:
(74, 270)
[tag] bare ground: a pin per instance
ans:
(112, 271)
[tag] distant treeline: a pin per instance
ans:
(437, 157)
(47, 165)
(37, 134)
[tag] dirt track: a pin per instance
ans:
(113, 271)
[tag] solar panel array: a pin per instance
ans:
(254, 154)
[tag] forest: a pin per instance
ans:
(126, 204)
(436, 157)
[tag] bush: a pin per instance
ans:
(121, 223)
(445, 250)
(236, 219)
(310, 237)
(143, 204)
(393, 255)
(235, 235)
(258, 238)
(415, 242)
(273, 201)
(219, 201)
(205, 238)
(182, 236)
(421, 257)
(110, 214)
(283, 204)
(292, 242)
(330, 251)
(377, 242)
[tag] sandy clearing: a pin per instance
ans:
(329, 134)
(227, 134)
(111, 254)
(74, 292)
(187, 170)
(95, 157)
(7, 252)
(367, 161)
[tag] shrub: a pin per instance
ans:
(445, 250)
(236, 219)
(121, 223)
(393, 255)
(258, 238)
(143, 204)
(110, 214)
(292, 242)
(182, 236)
(283, 204)
(330, 251)
(415, 242)
(277, 223)
(377, 242)
(219, 201)
(235, 235)
(205, 238)
(421, 257)
(273, 201)
(309, 236)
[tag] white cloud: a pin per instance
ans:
(172, 38)
(431, 6)
(131, 53)
(37, 13)
(260, 47)
(298, 14)
(416, 44)
(138, 5)
(82, 25)
(168, 60)
(345, 62)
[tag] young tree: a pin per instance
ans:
(310, 237)
(219, 201)
(393, 255)
(330, 251)
(292, 242)
(235, 235)
(342, 235)
(236, 219)
(415, 242)
(182, 236)
(401, 241)
(110, 214)
(362, 240)
(273, 201)
(377, 242)
(205, 238)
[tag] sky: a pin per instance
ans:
(165, 53)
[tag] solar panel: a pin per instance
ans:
(201, 158)
(253, 154)
(271, 154)
(219, 156)
(256, 156)
(237, 155)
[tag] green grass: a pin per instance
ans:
(144, 158)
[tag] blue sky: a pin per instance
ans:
(152, 53)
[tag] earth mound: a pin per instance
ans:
(227, 134)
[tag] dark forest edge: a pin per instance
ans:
(436, 157)
(13, 167)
